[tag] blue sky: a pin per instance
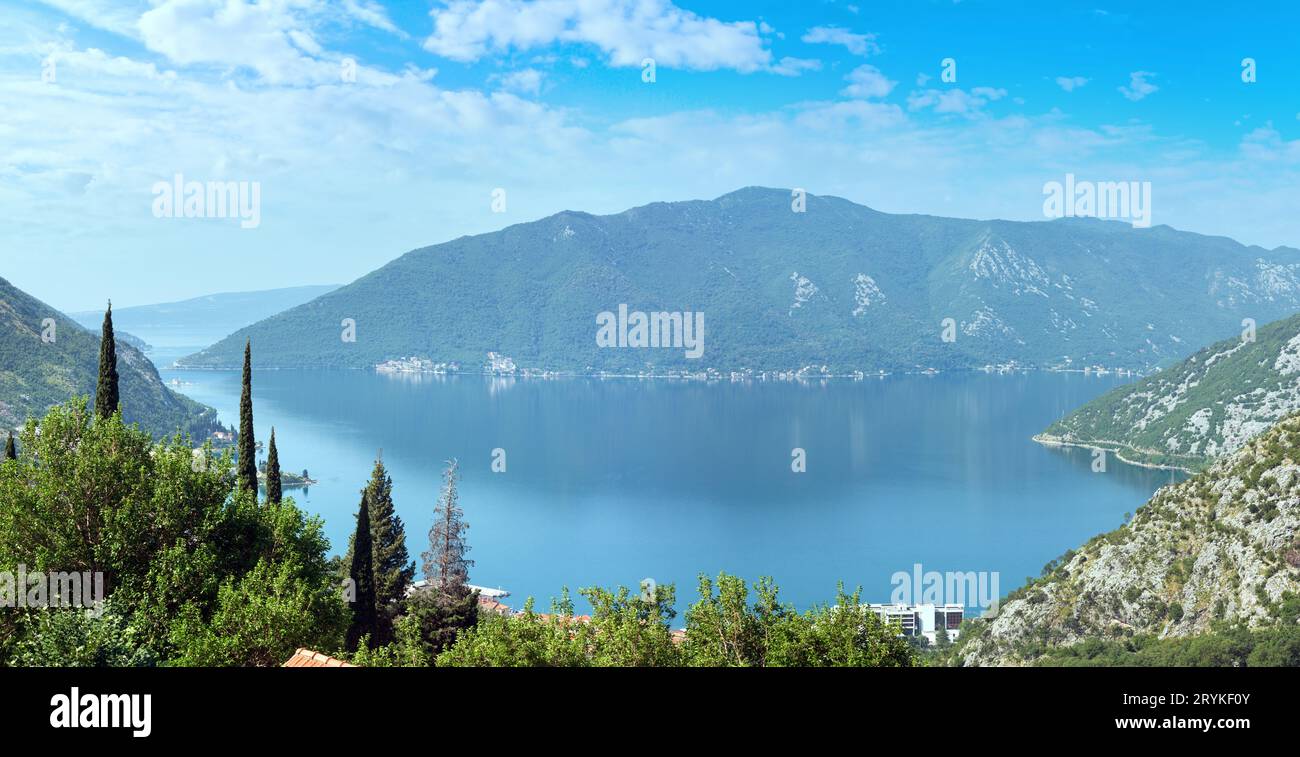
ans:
(545, 99)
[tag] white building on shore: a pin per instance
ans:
(922, 620)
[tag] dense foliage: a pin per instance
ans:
(723, 629)
(196, 572)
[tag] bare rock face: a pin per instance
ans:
(1220, 546)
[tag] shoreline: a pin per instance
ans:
(708, 375)
(1048, 440)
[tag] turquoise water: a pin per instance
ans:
(614, 481)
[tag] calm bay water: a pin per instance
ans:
(613, 481)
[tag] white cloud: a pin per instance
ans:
(267, 38)
(858, 44)
(627, 31)
(117, 16)
(794, 66)
(955, 101)
(1138, 86)
(372, 14)
(526, 81)
(1070, 83)
(867, 81)
(397, 152)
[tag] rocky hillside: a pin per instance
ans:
(1208, 405)
(1220, 546)
(840, 285)
(37, 373)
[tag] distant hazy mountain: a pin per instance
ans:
(1208, 405)
(202, 320)
(839, 285)
(35, 373)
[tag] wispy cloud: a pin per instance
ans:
(372, 14)
(795, 66)
(954, 101)
(526, 81)
(1138, 86)
(858, 44)
(626, 31)
(117, 16)
(1070, 83)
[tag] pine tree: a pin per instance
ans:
(445, 565)
(362, 572)
(447, 605)
(106, 396)
(273, 490)
(11, 451)
(394, 568)
(247, 463)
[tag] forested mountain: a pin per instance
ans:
(36, 373)
(839, 285)
(1208, 405)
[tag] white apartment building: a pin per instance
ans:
(922, 620)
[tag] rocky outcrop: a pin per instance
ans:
(1219, 546)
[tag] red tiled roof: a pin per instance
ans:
(305, 658)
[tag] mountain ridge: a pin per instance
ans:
(840, 285)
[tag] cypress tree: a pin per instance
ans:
(247, 463)
(362, 572)
(106, 391)
(273, 491)
(394, 569)
(11, 451)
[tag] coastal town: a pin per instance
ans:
(496, 364)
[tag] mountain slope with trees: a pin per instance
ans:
(38, 373)
(1208, 405)
(1216, 553)
(839, 285)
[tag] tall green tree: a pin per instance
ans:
(11, 450)
(445, 566)
(362, 572)
(394, 568)
(273, 488)
(446, 606)
(106, 394)
(247, 462)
